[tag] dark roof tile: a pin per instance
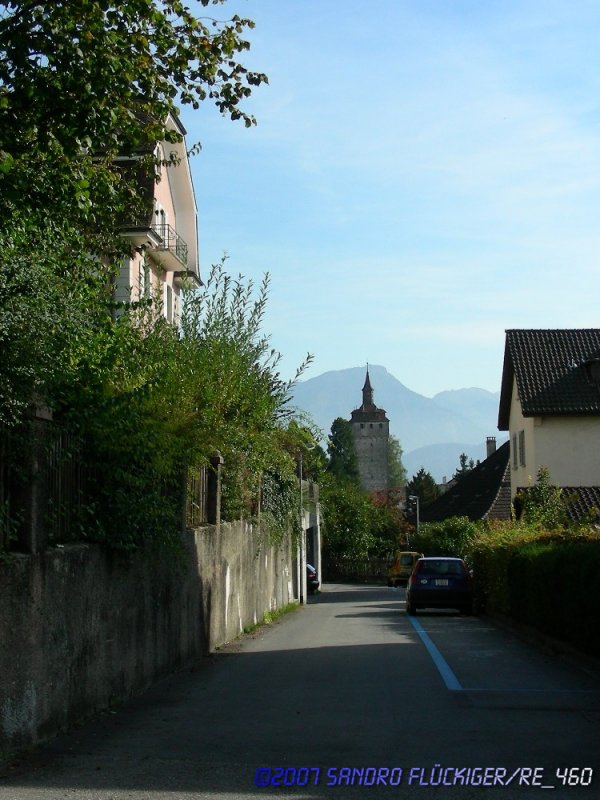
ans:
(483, 493)
(550, 369)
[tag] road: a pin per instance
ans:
(350, 681)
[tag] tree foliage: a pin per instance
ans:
(83, 85)
(543, 505)
(396, 471)
(347, 521)
(343, 461)
(54, 315)
(103, 76)
(424, 487)
(454, 536)
(465, 465)
(171, 399)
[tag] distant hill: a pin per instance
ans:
(477, 405)
(433, 432)
(441, 460)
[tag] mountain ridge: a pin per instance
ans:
(433, 432)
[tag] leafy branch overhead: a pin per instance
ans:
(104, 75)
(83, 84)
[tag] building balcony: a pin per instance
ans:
(167, 248)
(172, 248)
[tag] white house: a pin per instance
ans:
(550, 404)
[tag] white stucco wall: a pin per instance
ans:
(569, 446)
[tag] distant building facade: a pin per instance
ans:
(371, 431)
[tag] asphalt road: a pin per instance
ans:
(347, 697)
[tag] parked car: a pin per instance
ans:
(440, 582)
(312, 579)
(401, 566)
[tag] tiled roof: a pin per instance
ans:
(583, 502)
(483, 493)
(551, 373)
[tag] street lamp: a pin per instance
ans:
(302, 542)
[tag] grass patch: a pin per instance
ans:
(271, 616)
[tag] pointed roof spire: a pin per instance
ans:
(367, 392)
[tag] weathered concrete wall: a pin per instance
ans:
(81, 629)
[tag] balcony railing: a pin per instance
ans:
(172, 242)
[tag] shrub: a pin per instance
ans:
(451, 537)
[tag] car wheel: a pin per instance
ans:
(411, 609)
(390, 583)
(466, 610)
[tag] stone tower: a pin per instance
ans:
(371, 430)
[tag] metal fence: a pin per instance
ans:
(67, 481)
(5, 505)
(196, 494)
(369, 570)
(49, 488)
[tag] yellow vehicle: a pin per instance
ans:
(401, 566)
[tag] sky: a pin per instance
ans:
(424, 175)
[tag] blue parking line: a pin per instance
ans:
(448, 676)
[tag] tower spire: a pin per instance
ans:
(367, 391)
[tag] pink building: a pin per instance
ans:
(164, 240)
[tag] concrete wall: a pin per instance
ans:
(81, 628)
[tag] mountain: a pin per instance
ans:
(441, 460)
(433, 432)
(478, 405)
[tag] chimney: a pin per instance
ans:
(490, 444)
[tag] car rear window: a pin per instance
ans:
(406, 561)
(441, 568)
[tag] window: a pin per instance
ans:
(522, 448)
(169, 303)
(515, 457)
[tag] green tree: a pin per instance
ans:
(466, 465)
(424, 486)
(80, 85)
(543, 505)
(396, 470)
(102, 77)
(454, 536)
(347, 521)
(343, 462)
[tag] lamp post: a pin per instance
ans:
(302, 543)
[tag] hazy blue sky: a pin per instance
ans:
(424, 175)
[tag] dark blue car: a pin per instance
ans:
(312, 579)
(440, 582)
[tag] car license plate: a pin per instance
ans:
(441, 582)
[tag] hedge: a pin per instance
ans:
(548, 581)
